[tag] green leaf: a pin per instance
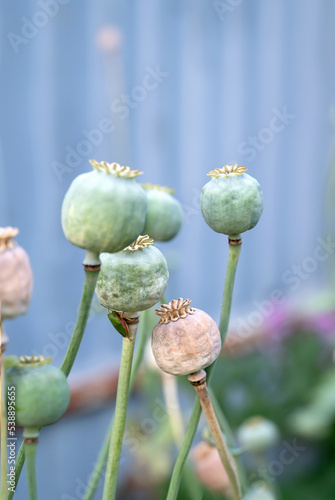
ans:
(119, 323)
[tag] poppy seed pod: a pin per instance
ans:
(42, 392)
(311, 422)
(133, 279)
(164, 214)
(104, 210)
(257, 434)
(259, 491)
(209, 468)
(232, 201)
(16, 277)
(185, 340)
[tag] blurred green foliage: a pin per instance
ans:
(274, 380)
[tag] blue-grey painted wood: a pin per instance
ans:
(227, 73)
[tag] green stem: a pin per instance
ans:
(79, 329)
(183, 452)
(191, 483)
(237, 452)
(99, 466)
(103, 454)
(142, 338)
(119, 424)
(72, 350)
(19, 461)
(233, 256)
(3, 428)
(31, 449)
(163, 300)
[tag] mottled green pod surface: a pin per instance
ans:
(164, 214)
(42, 393)
(104, 210)
(133, 279)
(232, 201)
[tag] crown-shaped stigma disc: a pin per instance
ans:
(140, 243)
(115, 169)
(6, 236)
(175, 310)
(227, 170)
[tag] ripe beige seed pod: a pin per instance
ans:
(185, 340)
(209, 468)
(16, 277)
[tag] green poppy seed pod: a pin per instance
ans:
(42, 393)
(164, 214)
(232, 201)
(257, 434)
(312, 423)
(104, 210)
(16, 277)
(133, 279)
(185, 340)
(259, 491)
(209, 469)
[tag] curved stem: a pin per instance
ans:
(237, 452)
(79, 329)
(183, 452)
(120, 416)
(233, 256)
(191, 483)
(99, 466)
(103, 454)
(198, 380)
(31, 449)
(91, 277)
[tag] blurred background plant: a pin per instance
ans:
(175, 89)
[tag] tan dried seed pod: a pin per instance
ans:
(185, 340)
(16, 277)
(209, 468)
